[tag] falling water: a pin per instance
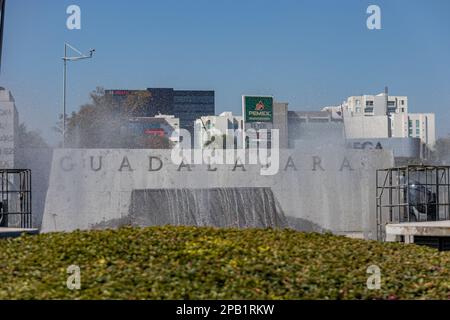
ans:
(218, 207)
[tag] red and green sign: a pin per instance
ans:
(258, 109)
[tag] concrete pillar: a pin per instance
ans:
(9, 123)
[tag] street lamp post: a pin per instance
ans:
(80, 56)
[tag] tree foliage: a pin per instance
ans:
(103, 123)
(30, 139)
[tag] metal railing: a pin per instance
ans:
(413, 193)
(15, 198)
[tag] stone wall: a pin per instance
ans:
(39, 161)
(331, 189)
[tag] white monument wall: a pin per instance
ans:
(334, 189)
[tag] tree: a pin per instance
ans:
(30, 139)
(104, 123)
(136, 104)
(156, 142)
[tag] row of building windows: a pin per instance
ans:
(193, 108)
(370, 103)
(411, 128)
(193, 99)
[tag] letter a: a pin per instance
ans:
(74, 280)
(374, 21)
(74, 20)
(374, 281)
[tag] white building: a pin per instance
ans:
(422, 125)
(210, 130)
(9, 123)
(379, 105)
(384, 116)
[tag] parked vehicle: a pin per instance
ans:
(422, 203)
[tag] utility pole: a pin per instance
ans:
(80, 56)
(2, 24)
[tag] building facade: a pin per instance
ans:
(210, 130)
(422, 126)
(376, 105)
(216, 126)
(161, 126)
(188, 106)
(314, 126)
(383, 116)
(185, 105)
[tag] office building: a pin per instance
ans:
(185, 105)
(161, 126)
(422, 126)
(383, 116)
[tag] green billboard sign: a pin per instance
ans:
(258, 109)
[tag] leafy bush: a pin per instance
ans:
(205, 263)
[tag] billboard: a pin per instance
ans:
(2, 23)
(258, 108)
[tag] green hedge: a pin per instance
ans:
(205, 263)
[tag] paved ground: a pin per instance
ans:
(14, 232)
(432, 229)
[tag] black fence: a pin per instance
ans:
(414, 193)
(15, 199)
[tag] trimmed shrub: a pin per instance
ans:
(206, 263)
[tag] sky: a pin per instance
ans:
(309, 53)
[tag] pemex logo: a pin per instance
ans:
(260, 106)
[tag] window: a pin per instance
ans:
(418, 132)
(417, 123)
(392, 109)
(403, 102)
(391, 103)
(369, 103)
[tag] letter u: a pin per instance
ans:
(100, 164)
